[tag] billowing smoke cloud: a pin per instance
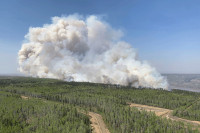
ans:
(76, 49)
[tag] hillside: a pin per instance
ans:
(38, 105)
(189, 82)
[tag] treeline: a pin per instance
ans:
(43, 87)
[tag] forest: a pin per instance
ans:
(59, 106)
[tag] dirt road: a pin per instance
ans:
(24, 97)
(164, 113)
(97, 123)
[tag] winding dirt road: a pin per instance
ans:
(164, 113)
(96, 120)
(97, 123)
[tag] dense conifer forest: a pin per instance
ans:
(58, 106)
(36, 115)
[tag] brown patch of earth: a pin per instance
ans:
(164, 113)
(97, 123)
(24, 97)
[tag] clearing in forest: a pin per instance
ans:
(97, 123)
(164, 113)
(24, 97)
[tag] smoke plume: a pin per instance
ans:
(74, 48)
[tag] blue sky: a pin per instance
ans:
(165, 33)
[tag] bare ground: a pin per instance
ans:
(97, 123)
(164, 113)
(24, 97)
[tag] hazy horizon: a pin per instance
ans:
(21, 74)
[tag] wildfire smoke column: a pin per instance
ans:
(74, 48)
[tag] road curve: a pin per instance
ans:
(97, 123)
(163, 113)
(96, 120)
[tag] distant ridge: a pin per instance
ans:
(189, 82)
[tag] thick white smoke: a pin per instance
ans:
(77, 49)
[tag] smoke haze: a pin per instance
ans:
(74, 48)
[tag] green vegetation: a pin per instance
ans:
(191, 111)
(35, 115)
(108, 100)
